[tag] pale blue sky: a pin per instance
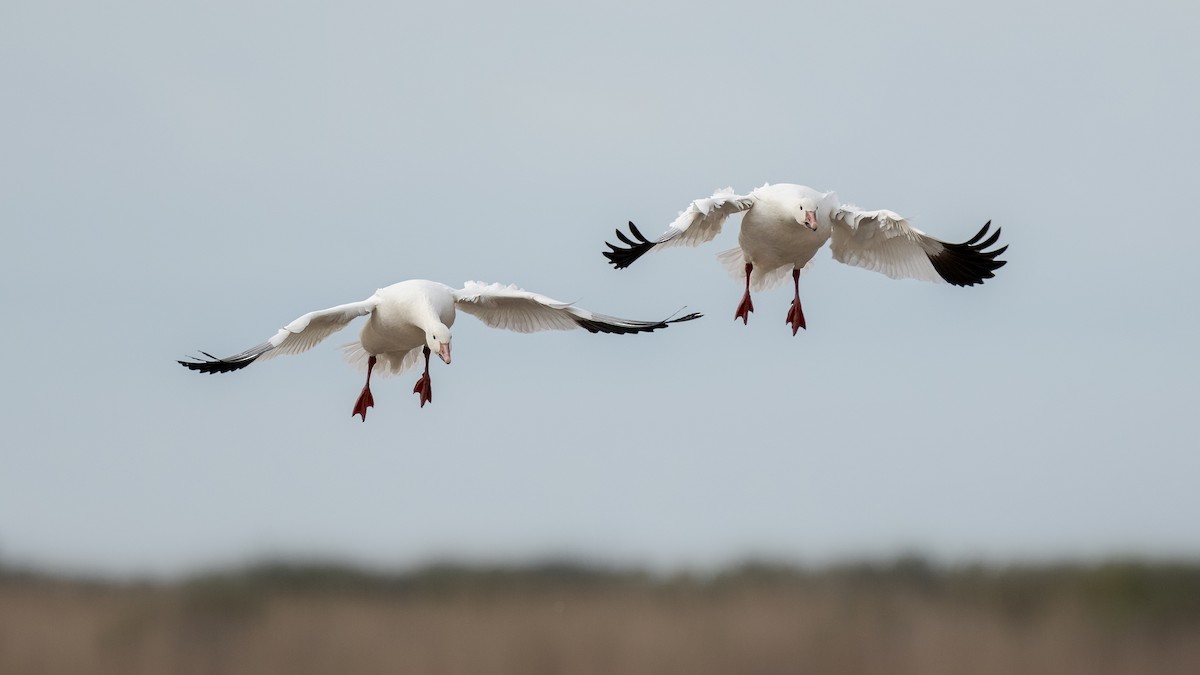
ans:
(176, 177)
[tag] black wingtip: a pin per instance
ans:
(619, 257)
(215, 365)
(688, 317)
(622, 327)
(969, 263)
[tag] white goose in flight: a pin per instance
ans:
(785, 225)
(413, 318)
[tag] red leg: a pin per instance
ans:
(744, 309)
(795, 315)
(423, 386)
(365, 400)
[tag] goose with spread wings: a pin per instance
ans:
(412, 319)
(785, 225)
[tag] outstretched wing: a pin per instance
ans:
(300, 335)
(883, 241)
(698, 223)
(512, 308)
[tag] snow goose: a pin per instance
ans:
(785, 225)
(413, 318)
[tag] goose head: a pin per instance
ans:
(806, 213)
(438, 341)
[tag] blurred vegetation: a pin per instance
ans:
(1122, 590)
(900, 616)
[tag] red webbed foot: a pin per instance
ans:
(744, 309)
(425, 389)
(795, 317)
(365, 399)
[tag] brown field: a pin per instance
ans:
(901, 618)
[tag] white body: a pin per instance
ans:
(396, 330)
(773, 238)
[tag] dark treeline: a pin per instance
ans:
(1161, 590)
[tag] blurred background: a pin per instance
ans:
(929, 479)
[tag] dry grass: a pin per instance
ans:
(893, 620)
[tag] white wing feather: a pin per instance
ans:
(883, 241)
(516, 309)
(307, 331)
(513, 308)
(298, 336)
(701, 221)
